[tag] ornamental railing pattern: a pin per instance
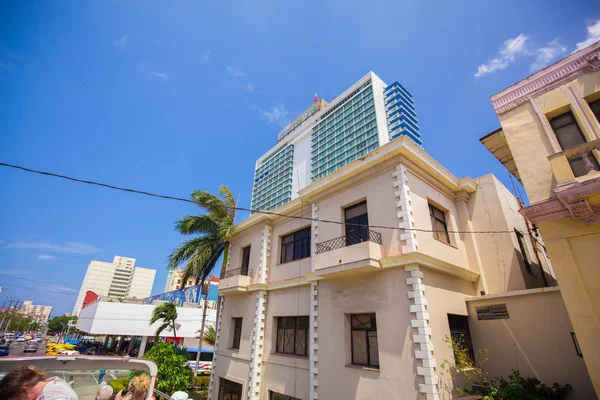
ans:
(350, 239)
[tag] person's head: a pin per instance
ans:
(104, 393)
(24, 383)
(138, 387)
(71, 377)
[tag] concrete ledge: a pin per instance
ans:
(515, 293)
(427, 261)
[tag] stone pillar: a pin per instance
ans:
(258, 338)
(143, 346)
(131, 344)
(422, 334)
(406, 218)
(313, 345)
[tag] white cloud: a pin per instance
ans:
(507, 54)
(122, 41)
(159, 75)
(278, 115)
(593, 35)
(68, 248)
(546, 55)
(60, 288)
(46, 257)
(205, 57)
(234, 73)
(15, 272)
(250, 88)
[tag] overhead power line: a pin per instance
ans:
(105, 185)
(40, 281)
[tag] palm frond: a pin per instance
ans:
(186, 250)
(229, 200)
(196, 262)
(197, 224)
(210, 203)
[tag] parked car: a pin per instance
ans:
(21, 339)
(4, 350)
(31, 347)
(68, 353)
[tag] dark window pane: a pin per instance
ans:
(595, 106)
(300, 349)
(279, 348)
(237, 332)
(373, 348)
(245, 260)
(361, 321)
(295, 245)
(567, 131)
(288, 341)
(359, 347)
(459, 331)
(302, 323)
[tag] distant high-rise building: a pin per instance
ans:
(328, 136)
(120, 278)
(36, 312)
(174, 280)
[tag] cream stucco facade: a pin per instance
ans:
(399, 274)
(559, 168)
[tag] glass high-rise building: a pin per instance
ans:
(328, 136)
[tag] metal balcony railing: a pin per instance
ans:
(235, 272)
(360, 236)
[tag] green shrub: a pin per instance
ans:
(201, 382)
(119, 384)
(516, 387)
(173, 375)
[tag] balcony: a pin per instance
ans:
(349, 255)
(576, 164)
(235, 281)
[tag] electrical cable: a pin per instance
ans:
(36, 280)
(236, 208)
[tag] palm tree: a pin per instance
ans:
(210, 335)
(212, 232)
(167, 315)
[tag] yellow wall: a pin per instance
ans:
(528, 142)
(293, 269)
(536, 339)
(252, 238)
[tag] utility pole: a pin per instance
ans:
(205, 290)
(4, 314)
(11, 316)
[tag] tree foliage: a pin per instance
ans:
(210, 335)
(211, 234)
(57, 324)
(166, 314)
(173, 375)
(14, 322)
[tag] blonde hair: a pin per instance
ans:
(138, 386)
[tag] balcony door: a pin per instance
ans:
(357, 223)
(229, 390)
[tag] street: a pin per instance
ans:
(86, 381)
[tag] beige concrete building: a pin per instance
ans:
(351, 290)
(36, 312)
(550, 140)
(119, 278)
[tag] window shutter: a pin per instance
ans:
(493, 311)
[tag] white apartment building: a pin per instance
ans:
(119, 278)
(37, 312)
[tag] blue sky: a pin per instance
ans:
(169, 97)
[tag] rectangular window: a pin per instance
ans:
(595, 106)
(438, 224)
(229, 390)
(357, 223)
(295, 245)
(461, 336)
(524, 250)
(365, 348)
(569, 135)
(279, 396)
(245, 259)
(292, 335)
(237, 332)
